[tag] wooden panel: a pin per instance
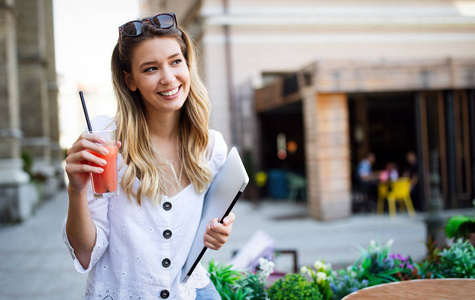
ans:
(329, 160)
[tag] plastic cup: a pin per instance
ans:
(105, 185)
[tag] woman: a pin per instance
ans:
(134, 245)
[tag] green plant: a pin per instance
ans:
(27, 162)
(375, 264)
(428, 268)
(458, 261)
(320, 273)
(345, 281)
(460, 227)
(224, 278)
(236, 285)
(253, 286)
(293, 287)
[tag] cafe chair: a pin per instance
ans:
(383, 189)
(296, 185)
(400, 191)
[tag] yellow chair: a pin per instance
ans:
(383, 189)
(400, 191)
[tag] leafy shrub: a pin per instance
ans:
(458, 261)
(345, 282)
(236, 285)
(224, 278)
(376, 265)
(293, 287)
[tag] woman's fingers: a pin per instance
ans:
(85, 156)
(217, 234)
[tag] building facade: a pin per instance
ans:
(30, 155)
(246, 44)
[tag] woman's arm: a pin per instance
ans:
(80, 227)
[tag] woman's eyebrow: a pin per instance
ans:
(151, 62)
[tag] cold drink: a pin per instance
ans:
(105, 184)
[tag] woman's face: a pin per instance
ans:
(160, 73)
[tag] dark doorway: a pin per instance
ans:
(283, 143)
(390, 127)
(385, 124)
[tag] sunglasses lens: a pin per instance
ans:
(163, 21)
(133, 28)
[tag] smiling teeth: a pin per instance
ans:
(170, 93)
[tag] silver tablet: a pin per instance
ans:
(222, 194)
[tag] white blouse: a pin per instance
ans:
(140, 250)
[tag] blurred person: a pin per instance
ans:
(365, 168)
(367, 178)
(135, 244)
(390, 173)
(411, 171)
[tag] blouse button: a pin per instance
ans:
(167, 206)
(164, 294)
(166, 263)
(167, 234)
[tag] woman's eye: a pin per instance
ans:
(150, 69)
(176, 62)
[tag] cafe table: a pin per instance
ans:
(433, 289)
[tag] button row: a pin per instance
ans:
(164, 294)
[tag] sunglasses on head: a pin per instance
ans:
(134, 28)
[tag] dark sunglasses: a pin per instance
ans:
(134, 28)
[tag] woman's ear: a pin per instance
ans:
(129, 81)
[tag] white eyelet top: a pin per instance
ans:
(140, 250)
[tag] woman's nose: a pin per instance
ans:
(167, 76)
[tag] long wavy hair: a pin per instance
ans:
(137, 149)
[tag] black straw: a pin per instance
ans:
(85, 111)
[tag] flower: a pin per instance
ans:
(321, 277)
(389, 243)
(266, 267)
(304, 270)
(318, 265)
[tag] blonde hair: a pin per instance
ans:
(132, 130)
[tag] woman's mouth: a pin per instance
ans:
(170, 92)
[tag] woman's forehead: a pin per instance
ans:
(157, 48)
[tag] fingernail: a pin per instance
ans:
(105, 151)
(103, 162)
(100, 170)
(226, 220)
(103, 140)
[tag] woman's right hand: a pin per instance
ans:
(78, 158)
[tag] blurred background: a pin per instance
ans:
(305, 90)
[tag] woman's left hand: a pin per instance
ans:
(216, 233)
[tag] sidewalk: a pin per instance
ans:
(35, 264)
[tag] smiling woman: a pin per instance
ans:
(135, 244)
(162, 77)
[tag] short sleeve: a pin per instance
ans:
(217, 151)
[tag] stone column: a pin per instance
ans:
(57, 155)
(17, 196)
(327, 154)
(34, 102)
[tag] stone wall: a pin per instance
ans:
(28, 108)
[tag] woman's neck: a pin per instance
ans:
(163, 127)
